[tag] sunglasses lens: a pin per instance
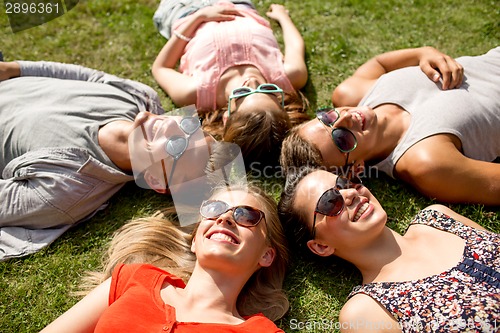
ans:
(176, 146)
(246, 216)
(211, 209)
(190, 125)
(345, 183)
(268, 87)
(330, 203)
(344, 139)
(327, 116)
(243, 215)
(241, 91)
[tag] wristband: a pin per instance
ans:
(181, 36)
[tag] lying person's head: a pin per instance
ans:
(336, 138)
(168, 151)
(241, 231)
(329, 214)
(258, 118)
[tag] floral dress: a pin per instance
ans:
(465, 298)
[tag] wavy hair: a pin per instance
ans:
(158, 240)
(259, 134)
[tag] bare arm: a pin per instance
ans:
(9, 70)
(438, 169)
(362, 314)
(83, 316)
(435, 64)
(182, 88)
(295, 65)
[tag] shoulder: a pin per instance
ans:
(454, 215)
(363, 314)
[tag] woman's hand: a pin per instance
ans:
(277, 12)
(9, 70)
(439, 66)
(217, 13)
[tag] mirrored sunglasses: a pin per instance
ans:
(265, 88)
(245, 216)
(176, 145)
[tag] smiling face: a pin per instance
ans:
(220, 243)
(361, 218)
(147, 146)
(361, 121)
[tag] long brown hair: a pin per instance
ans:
(259, 134)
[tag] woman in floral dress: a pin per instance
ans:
(442, 275)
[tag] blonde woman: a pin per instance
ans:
(227, 277)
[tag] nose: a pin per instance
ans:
(252, 83)
(227, 218)
(350, 195)
(345, 119)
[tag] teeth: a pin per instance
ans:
(359, 118)
(361, 210)
(222, 237)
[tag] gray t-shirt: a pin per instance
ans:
(472, 112)
(58, 114)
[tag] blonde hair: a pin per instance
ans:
(159, 241)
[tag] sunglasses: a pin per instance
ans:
(244, 216)
(265, 88)
(176, 145)
(343, 138)
(331, 202)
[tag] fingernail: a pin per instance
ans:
(436, 77)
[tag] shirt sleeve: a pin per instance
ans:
(147, 99)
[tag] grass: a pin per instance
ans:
(119, 37)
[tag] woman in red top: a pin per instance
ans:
(236, 260)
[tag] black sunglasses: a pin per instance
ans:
(343, 138)
(331, 202)
(244, 216)
(176, 145)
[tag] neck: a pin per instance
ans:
(113, 139)
(209, 292)
(393, 121)
(381, 253)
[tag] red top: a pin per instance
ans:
(135, 305)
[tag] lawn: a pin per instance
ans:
(119, 37)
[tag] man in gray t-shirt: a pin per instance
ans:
(65, 149)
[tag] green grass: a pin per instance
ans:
(119, 37)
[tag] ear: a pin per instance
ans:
(154, 182)
(225, 117)
(192, 245)
(320, 249)
(268, 257)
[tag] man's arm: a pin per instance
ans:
(435, 64)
